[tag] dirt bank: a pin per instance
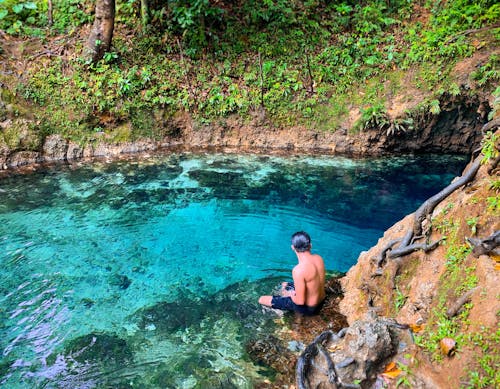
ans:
(457, 129)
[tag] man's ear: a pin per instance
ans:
(293, 248)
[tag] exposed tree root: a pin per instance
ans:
(422, 214)
(487, 246)
(491, 124)
(471, 31)
(458, 304)
(402, 251)
(428, 206)
(381, 257)
(305, 362)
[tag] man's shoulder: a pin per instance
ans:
(299, 268)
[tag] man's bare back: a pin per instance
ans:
(309, 272)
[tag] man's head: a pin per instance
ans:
(301, 242)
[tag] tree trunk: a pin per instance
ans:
(145, 14)
(102, 31)
(49, 13)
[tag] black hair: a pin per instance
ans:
(301, 241)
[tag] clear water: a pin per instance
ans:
(146, 274)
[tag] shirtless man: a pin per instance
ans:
(307, 292)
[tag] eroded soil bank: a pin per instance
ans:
(457, 129)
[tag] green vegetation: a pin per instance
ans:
(305, 62)
(489, 150)
(457, 279)
(399, 300)
(472, 223)
(485, 374)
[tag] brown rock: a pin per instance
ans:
(23, 158)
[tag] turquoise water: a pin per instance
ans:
(146, 274)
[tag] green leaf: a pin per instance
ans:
(3, 13)
(18, 8)
(434, 107)
(30, 5)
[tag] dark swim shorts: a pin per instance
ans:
(287, 304)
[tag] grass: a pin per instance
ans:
(485, 372)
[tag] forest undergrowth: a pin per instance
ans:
(317, 64)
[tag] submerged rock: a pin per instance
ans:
(99, 347)
(120, 280)
(87, 302)
(169, 316)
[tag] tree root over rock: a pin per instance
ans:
(487, 246)
(421, 220)
(406, 243)
(456, 307)
(350, 358)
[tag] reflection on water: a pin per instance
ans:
(146, 274)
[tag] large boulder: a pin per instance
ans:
(354, 356)
(21, 134)
(74, 151)
(23, 158)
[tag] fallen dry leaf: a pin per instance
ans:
(334, 348)
(391, 370)
(390, 366)
(416, 327)
(448, 346)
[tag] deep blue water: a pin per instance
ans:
(146, 274)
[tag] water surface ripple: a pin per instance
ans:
(146, 274)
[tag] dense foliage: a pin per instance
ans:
(304, 62)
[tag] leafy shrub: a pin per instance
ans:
(16, 16)
(489, 72)
(371, 18)
(72, 13)
(442, 38)
(374, 117)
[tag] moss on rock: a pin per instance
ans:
(22, 134)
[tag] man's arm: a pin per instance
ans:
(300, 287)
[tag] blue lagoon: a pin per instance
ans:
(147, 273)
